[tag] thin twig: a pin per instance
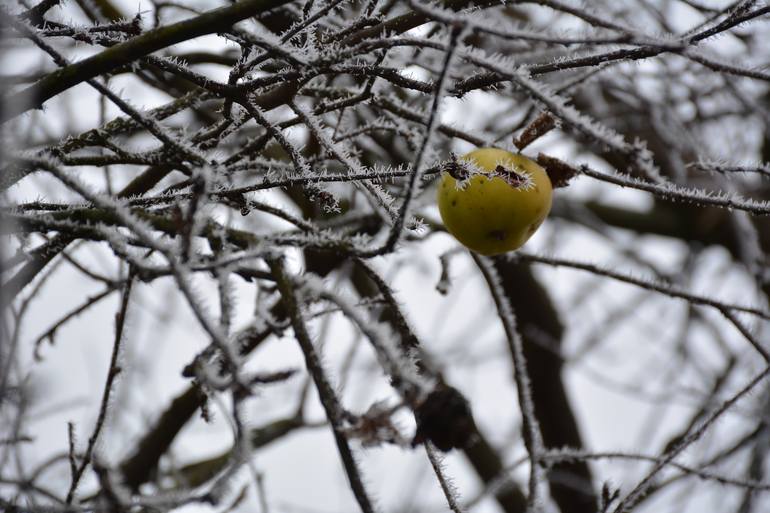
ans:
(533, 438)
(447, 486)
(112, 373)
(334, 411)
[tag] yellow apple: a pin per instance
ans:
(499, 209)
